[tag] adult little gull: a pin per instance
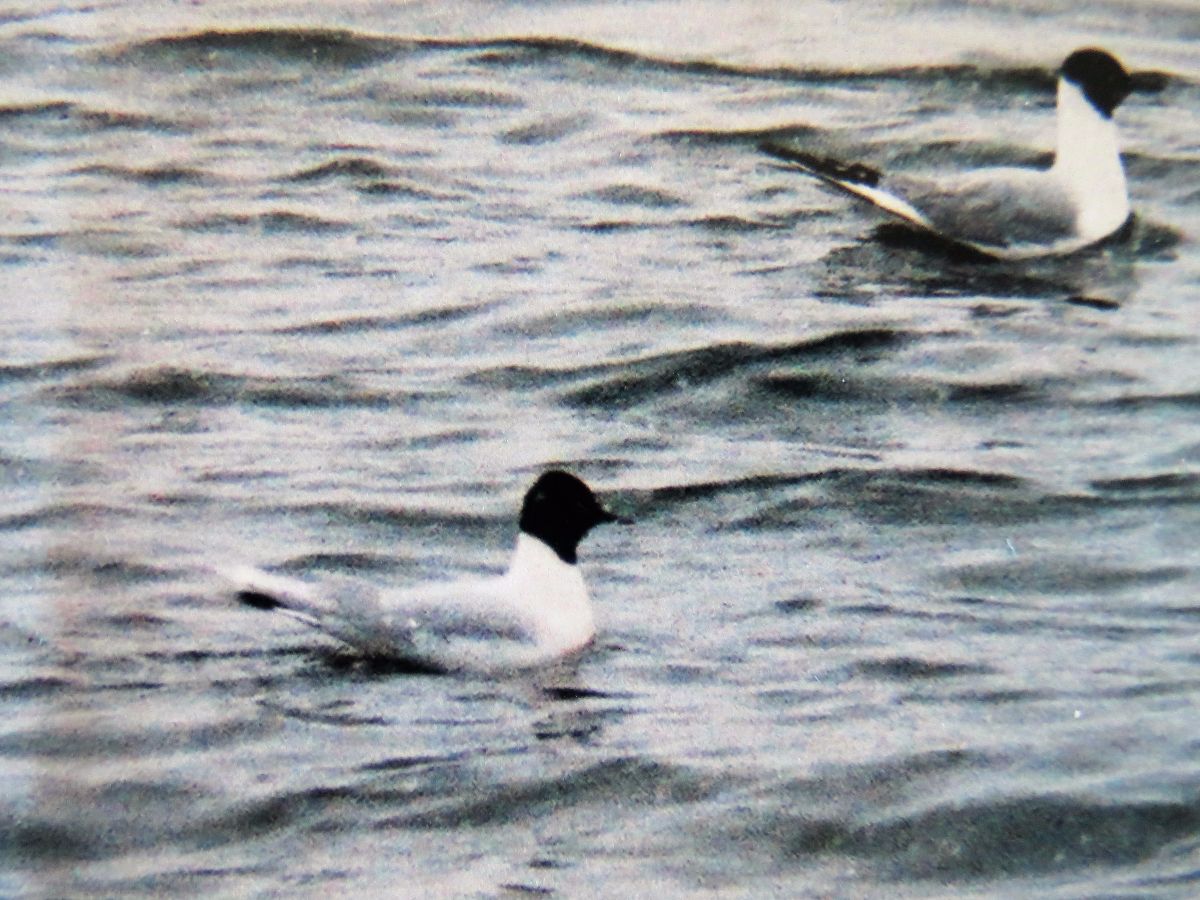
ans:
(1012, 212)
(535, 612)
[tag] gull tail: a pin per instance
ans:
(855, 179)
(266, 591)
(341, 609)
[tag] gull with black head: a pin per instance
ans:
(537, 611)
(1012, 212)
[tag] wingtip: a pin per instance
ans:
(781, 151)
(825, 167)
(257, 600)
(254, 587)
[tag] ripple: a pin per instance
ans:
(308, 46)
(168, 385)
(890, 817)
(344, 167)
(1014, 837)
(545, 131)
(908, 497)
(35, 687)
(634, 195)
(273, 222)
(1166, 487)
(151, 176)
(49, 369)
(628, 384)
(97, 823)
(1057, 575)
(629, 781)
(97, 739)
(71, 113)
(64, 513)
(908, 668)
(356, 324)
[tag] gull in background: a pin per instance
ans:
(1012, 212)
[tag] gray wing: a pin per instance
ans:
(461, 626)
(1000, 208)
(444, 626)
(418, 619)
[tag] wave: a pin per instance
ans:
(910, 496)
(629, 781)
(123, 571)
(344, 167)
(272, 222)
(1061, 575)
(740, 379)
(923, 817)
(634, 195)
(411, 520)
(35, 687)
(91, 119)
(151, 176)
(1185, 399)
(1181, 487)
(443, 797)
(49, 369)
(44, 108)
(344, 48)
(357, 324)
(310, 46)
(545, 131)
(908, 668)
(78, 512)
(620, 385)
(170, 385)
(112, 740)
(669, 495)
(343, 562)
(1008, 837)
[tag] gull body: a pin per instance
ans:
(1012, 212)
(537, 611)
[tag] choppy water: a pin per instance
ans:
(910, 607)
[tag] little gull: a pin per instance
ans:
(1011, 212)
(535, 612)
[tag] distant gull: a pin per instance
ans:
(1011, 212)
(534, 613)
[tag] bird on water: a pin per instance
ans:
(1014, 212)
(536, 612)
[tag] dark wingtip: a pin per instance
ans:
(258, 600)
(823, 166)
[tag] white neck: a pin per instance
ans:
(1088, 163)
(554, 592)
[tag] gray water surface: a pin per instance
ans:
(910, 604)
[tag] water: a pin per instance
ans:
(910, 605)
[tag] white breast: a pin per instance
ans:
(552, 597)
(1088, 165)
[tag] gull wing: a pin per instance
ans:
(998, 209)
(1005, 212)
(440, 626)
(855, 179)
